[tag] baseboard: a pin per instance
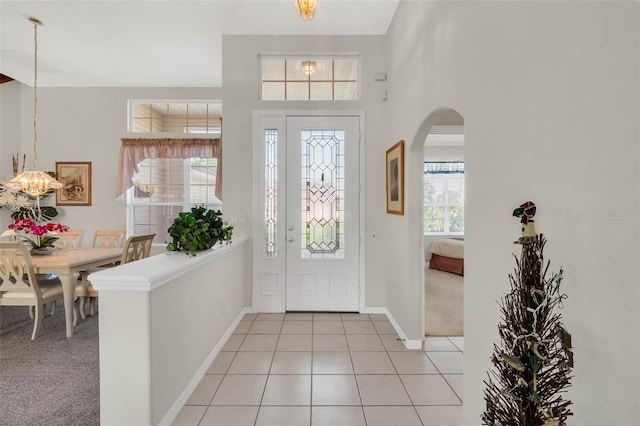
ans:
(182, 398)
(408, 343)
(373, 310)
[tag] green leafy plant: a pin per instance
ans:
(44, 213)
(23, 206)
(197, 230)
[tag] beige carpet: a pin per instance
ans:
(51, 380)
(444, 303)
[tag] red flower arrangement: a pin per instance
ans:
(44, 234)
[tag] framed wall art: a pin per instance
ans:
(76, 183)
(395, 179)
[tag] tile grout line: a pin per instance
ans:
(266, 382)
(355, 379)
(387, 350)
(444, 378)
(311, 390)
(403, 385)
(235, 353)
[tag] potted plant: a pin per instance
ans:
(197, 230)
(43, 235)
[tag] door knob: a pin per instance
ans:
(290, 228)
(290, 239)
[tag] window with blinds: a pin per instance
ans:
(164, 187)
(444, 197)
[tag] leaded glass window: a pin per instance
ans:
(270, 192)
(323, 188)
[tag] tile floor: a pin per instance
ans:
(327, 369)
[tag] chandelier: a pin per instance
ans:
(34, 183)
(306, 8)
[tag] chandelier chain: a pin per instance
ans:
(35, 94)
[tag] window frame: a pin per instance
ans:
(131, 117)
(185, 204)
(446, 204)
(198, 124)
(309, 80)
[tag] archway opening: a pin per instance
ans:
(438, 216)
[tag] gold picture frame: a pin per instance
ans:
(395, 179)
(76, 183)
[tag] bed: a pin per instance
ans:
(444, 288)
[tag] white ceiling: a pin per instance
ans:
(152, 43)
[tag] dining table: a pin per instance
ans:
(66, 263)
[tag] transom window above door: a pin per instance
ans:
(309, 78)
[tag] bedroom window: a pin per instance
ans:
(309, 79)
(444, 197)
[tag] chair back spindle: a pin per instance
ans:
(69, 239)
(137, 247)
(108, 238)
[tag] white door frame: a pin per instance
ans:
(268, 284)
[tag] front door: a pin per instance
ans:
(322, 214)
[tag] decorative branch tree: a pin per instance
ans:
(534, 359)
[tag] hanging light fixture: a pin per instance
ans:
(34, 183)
(306, 8)
(308, 67)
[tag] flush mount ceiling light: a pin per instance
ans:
(308, 67)
(306, 8)
(34, 183)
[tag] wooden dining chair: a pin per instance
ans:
(135, 248)
(108, 238)
(69, 239)
(19, 285)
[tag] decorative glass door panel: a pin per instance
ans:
(322, 187)
(322, 213)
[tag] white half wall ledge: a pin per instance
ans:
(155, 271)
(163, 320)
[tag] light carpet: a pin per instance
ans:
(52, 380)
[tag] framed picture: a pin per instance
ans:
(76, 183)
(395, 179)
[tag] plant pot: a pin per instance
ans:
(42, 251)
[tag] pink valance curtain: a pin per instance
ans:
(133, 151)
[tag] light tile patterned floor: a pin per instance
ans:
(318, 369)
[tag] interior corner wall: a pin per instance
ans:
(16, 132)
(10, 106)
(549, 94)
(241, 97)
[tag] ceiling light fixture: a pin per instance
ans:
(306, 8)
(308, 67)
(34, 183)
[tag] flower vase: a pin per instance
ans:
(41, 251)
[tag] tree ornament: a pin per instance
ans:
(532, 364)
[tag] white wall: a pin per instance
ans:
(10, 111)
(549, 96)
(241, 90)
(444, 153)
(13, 119)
